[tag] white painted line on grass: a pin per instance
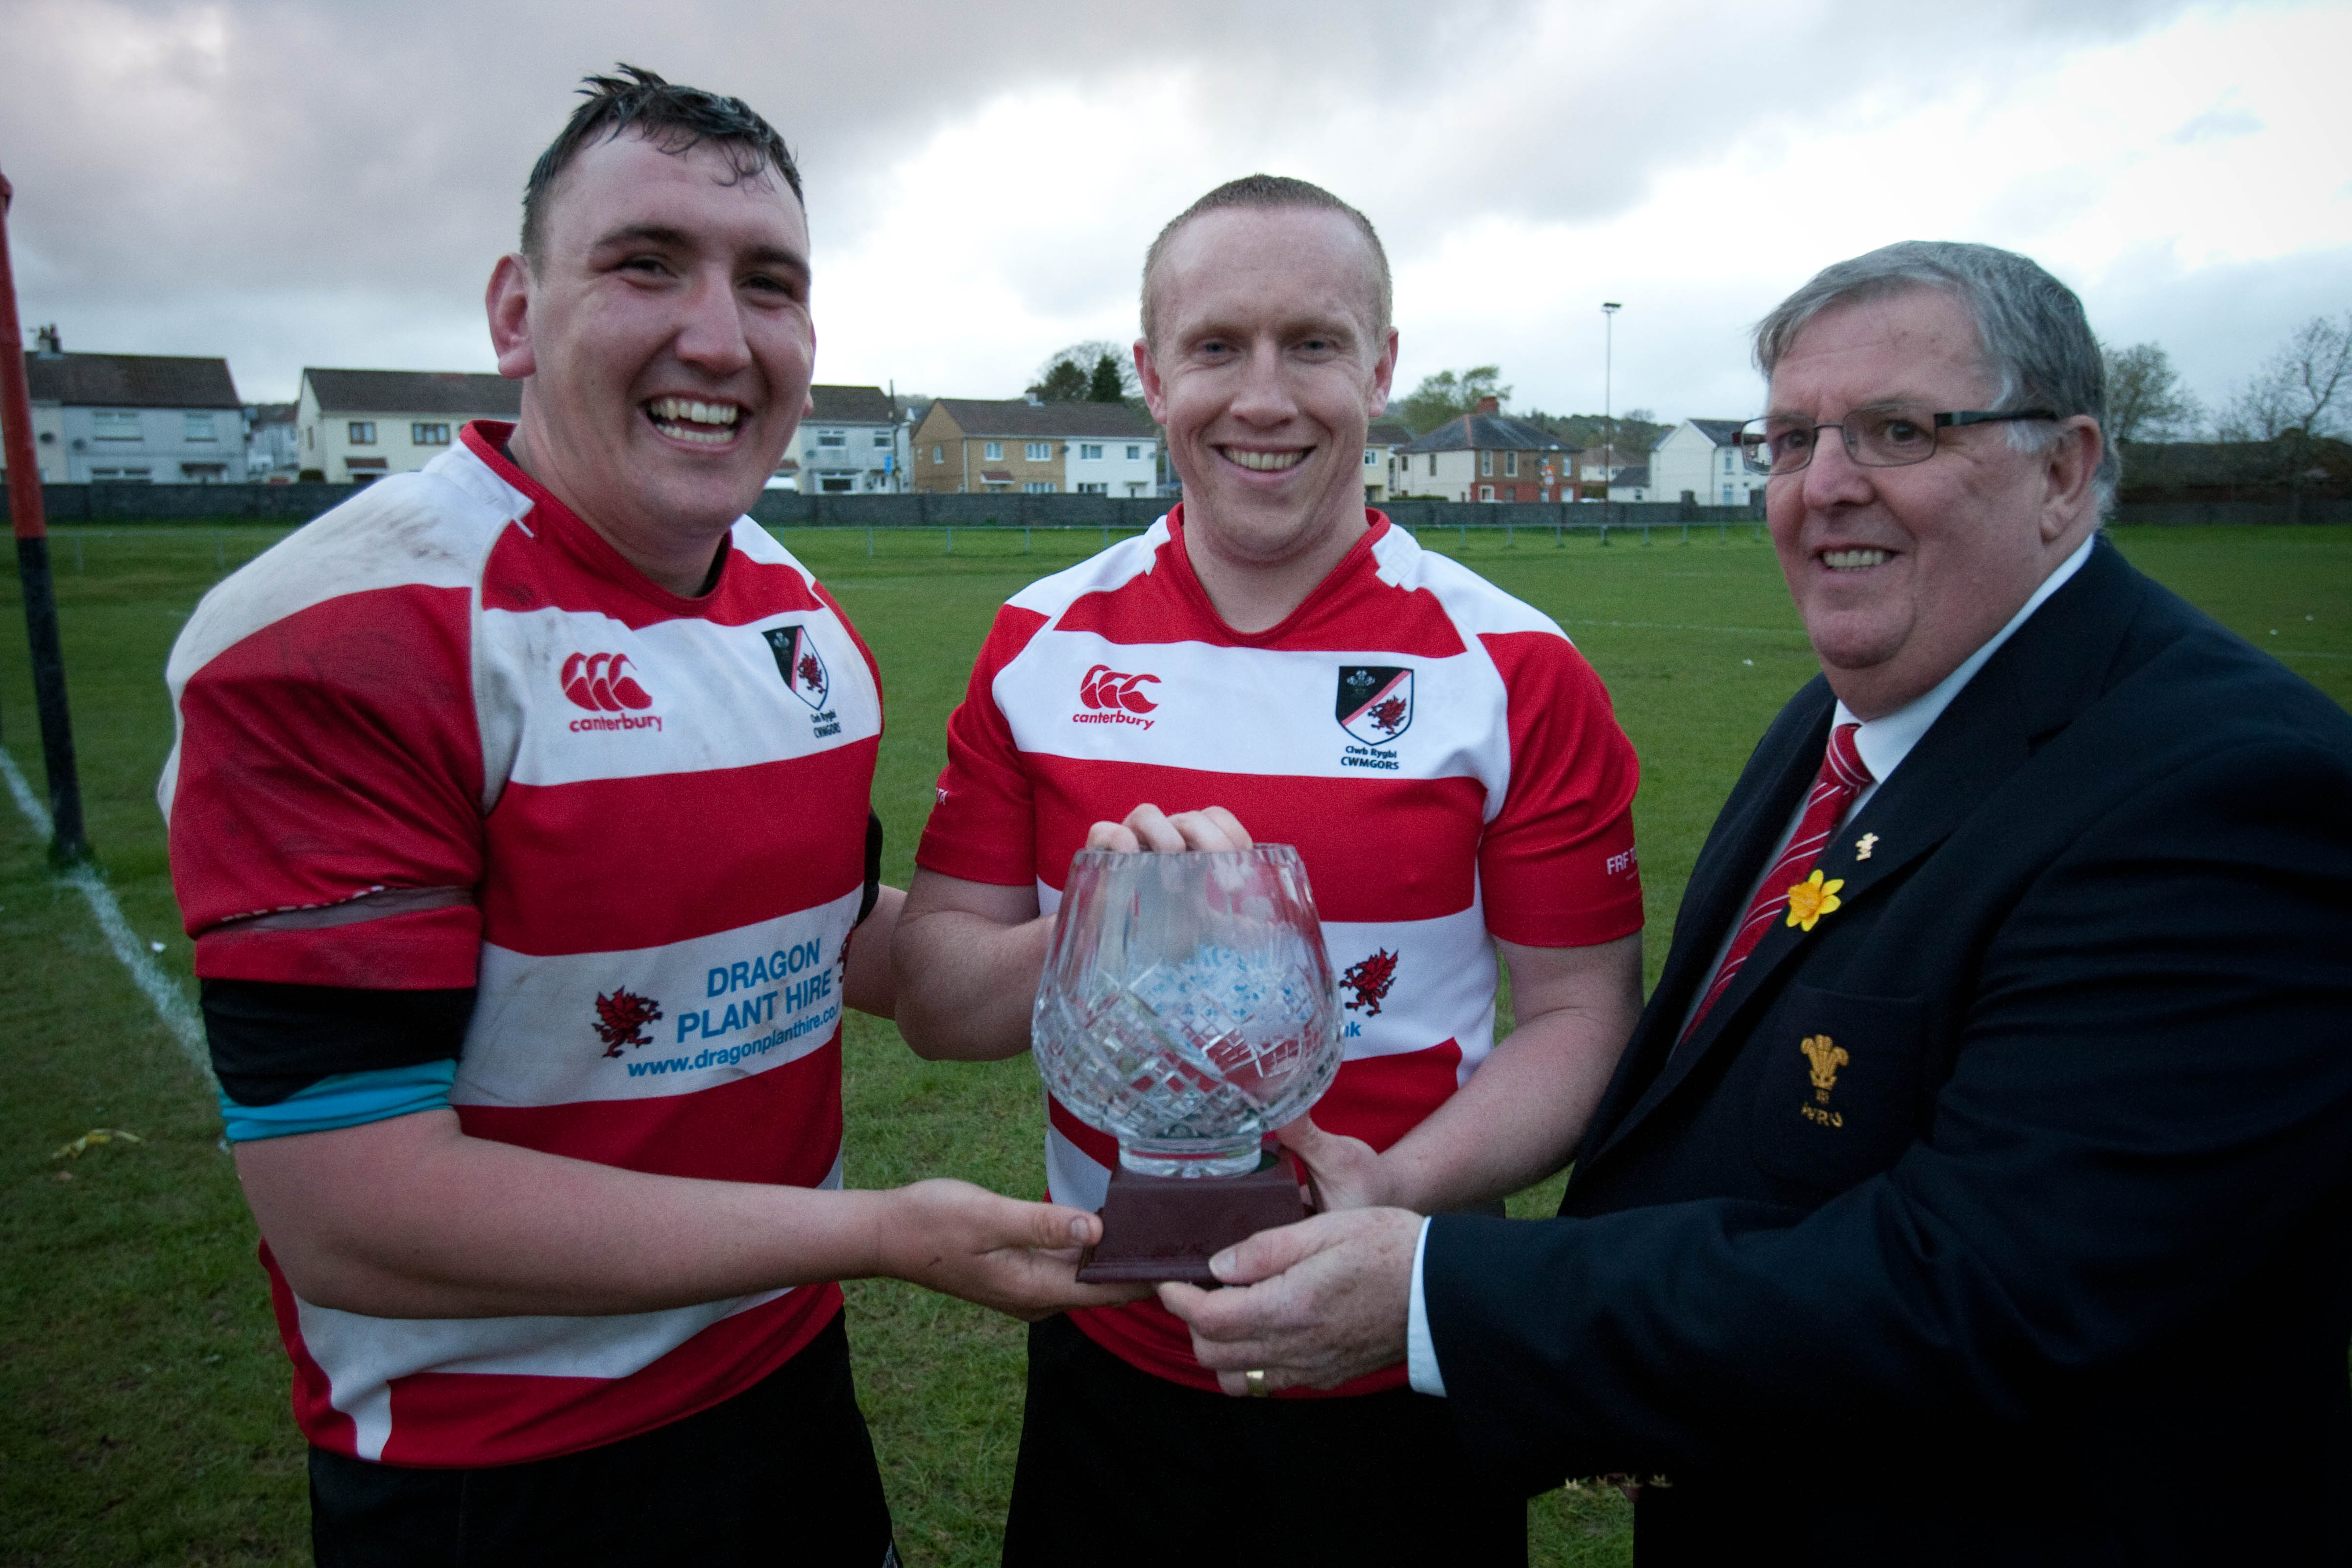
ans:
(170, 1002)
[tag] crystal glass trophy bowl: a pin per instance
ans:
(1186, 1006)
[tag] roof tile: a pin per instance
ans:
(131, 381)
(1017, 417)
(414, 391)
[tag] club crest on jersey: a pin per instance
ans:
(799, 663)
(1375, 702)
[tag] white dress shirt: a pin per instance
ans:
(1883, 743)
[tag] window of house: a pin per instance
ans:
(836, 484)
(1486, 467)
(832, 438)
(198, 428)
(881, 437)
(1089, 451)
(1040, 452)
(1726, 495)
(423, 435)
(1727, 462)
(1511, 465)
(309, 438)
(992, 450)
(114, 424)
(1135, 454)
(124, 476)
(939, 454)
(1486, 492)
(363, 433)
(1370, 457)
(1039, 487)
(1092, 489)
(1433, 465)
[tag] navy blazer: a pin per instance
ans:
(2006, 1216)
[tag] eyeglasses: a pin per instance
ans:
(1892, 437)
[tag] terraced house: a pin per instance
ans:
(1486, 456)
(132, 419)
(354, 425)
(1019, 445)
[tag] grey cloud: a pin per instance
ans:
(329, 182)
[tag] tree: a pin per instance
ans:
(2306, 385)
(1086, 372)
(2145, 401)
(1632, 433)
(1064, 382)
(1448, 395)
(1104, 386)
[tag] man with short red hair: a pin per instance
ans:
(1274, 661)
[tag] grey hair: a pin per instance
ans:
(2030, 329)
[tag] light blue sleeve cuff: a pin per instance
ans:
(1420, 1350)
(343, 1099)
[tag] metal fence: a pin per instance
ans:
(294, 503)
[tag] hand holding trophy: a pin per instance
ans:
(1186, 1008)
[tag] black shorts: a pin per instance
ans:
(1118, 1466)
(783, 1473)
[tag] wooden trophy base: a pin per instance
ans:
(1167, 1227)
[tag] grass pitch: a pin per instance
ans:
(138, 1363)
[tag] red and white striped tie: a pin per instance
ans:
(1843, 777)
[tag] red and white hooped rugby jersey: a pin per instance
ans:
(652, 812)
(1444, 760)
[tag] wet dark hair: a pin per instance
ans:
(677, 120)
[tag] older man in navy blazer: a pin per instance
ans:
(1978, 1185)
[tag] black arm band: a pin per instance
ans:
(873, 866)
(269, 1041)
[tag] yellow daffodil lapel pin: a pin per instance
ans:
(1811, 899)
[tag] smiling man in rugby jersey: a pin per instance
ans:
(519, 812)
(1447, 765)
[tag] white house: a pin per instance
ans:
(1699, 456)
(1112, 466)
(1632, 483)
(133, 418)
(359, 425)
(850, 444)
(1381, 440)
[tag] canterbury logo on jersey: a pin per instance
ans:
(1115, 697)
(600, 683)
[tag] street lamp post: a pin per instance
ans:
(1609, 309)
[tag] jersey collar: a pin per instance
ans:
(1358, 558)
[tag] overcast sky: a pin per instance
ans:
(328, 183)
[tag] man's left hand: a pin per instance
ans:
(1317, 1302)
